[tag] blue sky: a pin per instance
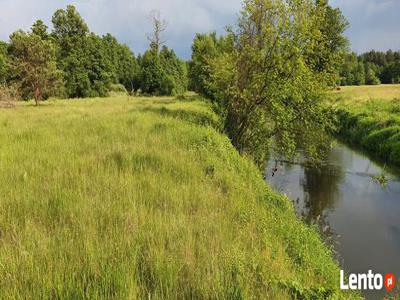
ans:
(375, 24)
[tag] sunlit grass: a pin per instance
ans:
(368, 92)
(370, 116)
(124, 198)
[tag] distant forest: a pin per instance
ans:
(371, 68)
(71, 62)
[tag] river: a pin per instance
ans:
(356, 214)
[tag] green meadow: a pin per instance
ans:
(134, 198)
(370, 117)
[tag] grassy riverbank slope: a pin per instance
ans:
(124, 198)
(370, 117)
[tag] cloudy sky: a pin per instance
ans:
(375, 24)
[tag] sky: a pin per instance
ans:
(375, 24)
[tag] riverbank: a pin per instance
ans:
(142, 198)
(369, 116)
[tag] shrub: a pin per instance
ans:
(118, 88)
(8, 96)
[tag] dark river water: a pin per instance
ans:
(356, 215)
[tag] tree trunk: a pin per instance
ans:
(37, 96)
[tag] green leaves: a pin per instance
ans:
(68, 23)
(268, 76)
(90, 63)
(3, 62)
(33, 65)
(162, 73)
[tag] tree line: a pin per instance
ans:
(71, 62)
(371, 68)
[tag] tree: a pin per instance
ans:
(328, 53)
(370, 77)
(159, 27)
(348, 69)
(271, 81)
(175, 70)
(161, 71)
(391, 73)
(353, 71)
(33, 63)
(40, 29)
(124, 64)
(204, 49)
(3, 62)
(359, 74)
(68, 23)
(87, 69)
(128, 68)
(152, 78)
(82, 56)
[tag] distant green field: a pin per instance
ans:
(368, 92)
(370, 116)
(124, 198)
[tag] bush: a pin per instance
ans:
(8, 96)
(118, 88)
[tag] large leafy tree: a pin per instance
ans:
(33, 65)
(82, 55)
(162, 73)
(270, 82)
(123, 62)
(128, 68)
(152, 78)
(327, 55)
(68, 23)
(370, 75)
(204, 49)
(175, 69)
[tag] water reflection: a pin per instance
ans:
(355, 213)
(317, 189)
(321, 185)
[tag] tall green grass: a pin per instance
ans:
(374, 124)
(125, 198)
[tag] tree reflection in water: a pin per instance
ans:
(314, 190)
(320, 193)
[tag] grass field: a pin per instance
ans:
(124, 198)
(370, 116)
(365, 93)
